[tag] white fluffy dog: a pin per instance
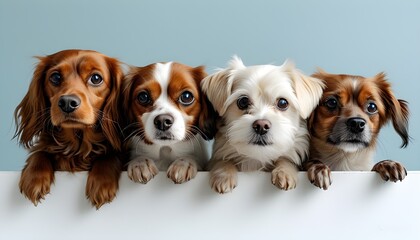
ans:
(262, 122)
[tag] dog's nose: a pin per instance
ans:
(261, 126)
(356, 125)
(69, 103)
(163, 122)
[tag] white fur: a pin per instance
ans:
(164, 155)
(264, 85)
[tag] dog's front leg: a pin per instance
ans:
(223, 176)
(284, 174)
(390, 170)
(142, 169)
(37, 177)
(182, 170)
(102, 182)
(319, 174)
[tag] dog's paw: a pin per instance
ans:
(182, 170)
(283, 179)
(390, 170)
(142, 170)
(101, 189)
(35, 185)
(319, 175)
(223, 181)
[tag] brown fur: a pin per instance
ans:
(353, 93)
(84, 140)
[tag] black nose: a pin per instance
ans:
(261, 126)
(69, 103)
(163, 122)
(356, 125)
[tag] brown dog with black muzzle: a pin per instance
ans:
(344, 127)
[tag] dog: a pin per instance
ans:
(169, 121)
(261, 125)
(67, 120)
(344, 127)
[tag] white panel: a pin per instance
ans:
(357, 206)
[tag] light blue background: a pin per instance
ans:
(358, 37)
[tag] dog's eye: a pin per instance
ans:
(144, 98)
(372, 108)
(331, 103)
(243, 102)
(186, 98)
(55, 78)
(95, 79)
(282, 104)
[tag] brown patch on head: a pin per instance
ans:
(200, 112)
(182, 82)
(138, 80)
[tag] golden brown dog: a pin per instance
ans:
(67, 120)
(344, 127)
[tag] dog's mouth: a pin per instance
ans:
(354, 141)
(73, 123)
(164, 136)
(260, 141)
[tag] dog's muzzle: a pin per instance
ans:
(261, 128)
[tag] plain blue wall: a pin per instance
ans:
(358, 37)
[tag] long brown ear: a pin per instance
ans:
(308, 89)
(32, 114)
(207, 118)
(396, 109)
(110, 120)
(128, 119)
(218, 86)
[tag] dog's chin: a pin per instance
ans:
(258, 151)
(73, 124)
(165, 141)
(349, 145)
(165, 138)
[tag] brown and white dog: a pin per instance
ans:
(169, 119)
(67, 120)
(262, 122)
(344, 127)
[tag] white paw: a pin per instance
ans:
(142, 170)
(182, 170)
(283, 179)
(223, 181)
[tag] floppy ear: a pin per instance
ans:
(218, 86)
(110, 119)
(308, 89)
(207, 119)
(396, 109)
(127, 117)
(32, 114)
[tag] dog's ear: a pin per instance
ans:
(110, 120)
(32, 114)
(207, 119)
(218, 86)
(308, 89)
(127, 116)
(395, 109)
